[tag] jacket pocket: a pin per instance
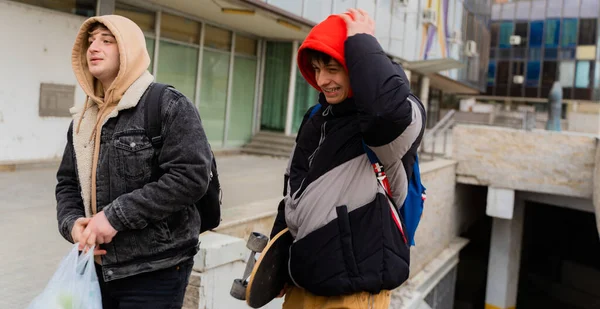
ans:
(134, 153)
(345, 232)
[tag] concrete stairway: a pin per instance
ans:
(270, 143)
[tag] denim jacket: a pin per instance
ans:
(157, 222)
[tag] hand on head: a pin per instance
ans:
(358, 21)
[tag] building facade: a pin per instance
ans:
(235, 59)
(535, 43)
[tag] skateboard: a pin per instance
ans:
(264, 278)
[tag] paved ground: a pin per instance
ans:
(32, 247)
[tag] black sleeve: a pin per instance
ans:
(380, 90)
(279, 224)
(69, 203)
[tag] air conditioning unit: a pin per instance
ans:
(515, 40)
(455, 37)
(403, 2)
(471, 48)
(429, 16)
(518, 79)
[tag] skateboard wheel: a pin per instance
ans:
(238, 289)
(257, 242)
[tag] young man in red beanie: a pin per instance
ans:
(350, 248)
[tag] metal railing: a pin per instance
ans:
(430, 137)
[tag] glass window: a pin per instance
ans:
(179, 28)
(276, 84)
(568, 38)
(597, 82)
(145, 19)
(587, 31)
(548, 73)
(245, 45)
(533, 74)
(582, 75)
(242, 101)
(217, 38)
(150, 48)
(506, 30)
(536, 32)
(177, 66)
(502, 75)
(521, 30)
(566, 73)
(495, 28)
(305, 97)
(535, 54)
(552, 32)
(213, 94)
(518, 68)
(491, 73)
(551, 53)
(566, 53)
(86, 8)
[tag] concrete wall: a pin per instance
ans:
(584, 117)
(36, 49)
(539, 161)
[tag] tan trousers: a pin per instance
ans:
(297, 298)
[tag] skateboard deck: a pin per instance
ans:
(270, 273)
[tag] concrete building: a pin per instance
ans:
(234, 58)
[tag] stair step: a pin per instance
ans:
(266, 152)
(265, 145)
(274, 140)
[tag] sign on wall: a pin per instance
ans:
(56, 100)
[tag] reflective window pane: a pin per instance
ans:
(213, 94)
(533, 74)
(491, 73)
(217, 38)
(145, 19)
(179, 28)
(552, 33)
(242, 101)
(548, 73)
(587, 31)
(506, 30)
(502, 75)
(150, 48)
(582, 75)
(566, 73)
(568, 37)
(536, 32)
(245, 45)
(177, 66)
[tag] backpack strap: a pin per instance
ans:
(153, 121)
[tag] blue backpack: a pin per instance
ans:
(412, 209)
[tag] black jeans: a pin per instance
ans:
(161, 289)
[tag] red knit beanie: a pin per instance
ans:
(327, 37)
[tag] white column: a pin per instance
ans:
(292, 91)
(424, 95)
(505, 259)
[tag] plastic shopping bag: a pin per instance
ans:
(73, 286)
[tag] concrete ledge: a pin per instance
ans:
(410, 294)
(218, 249)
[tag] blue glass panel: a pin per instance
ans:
(491, 73)
(582, 75)
(536, 33)
(506, 30)
(552, 32)
(551, 53)
(533, 74)
(568, 38)
(535, 54)
(567, 53)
